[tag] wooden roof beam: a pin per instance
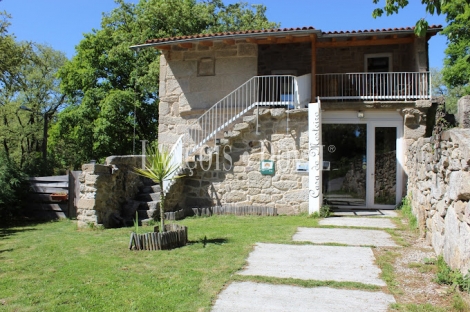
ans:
(369, 42)
(251, 40)
(229, 41)
(206, 43)
(186, 45)
(272, 39)
(163, 47)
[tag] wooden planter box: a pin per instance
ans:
(59, 197)
(174, 237)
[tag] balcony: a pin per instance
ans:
(400, 86)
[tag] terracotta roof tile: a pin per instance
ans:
(244, 32)
(280, 30)
(377, 30)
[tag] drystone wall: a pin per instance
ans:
(108, 191)
(439, 186)
(104, 189)
(235, 177)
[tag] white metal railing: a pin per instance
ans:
(176, 156)
(276, 90)
(375, 86)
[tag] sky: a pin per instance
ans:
(62, 23)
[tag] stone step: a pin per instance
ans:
(146, 214)
(148, 197)
(150, 189)
(149, 205)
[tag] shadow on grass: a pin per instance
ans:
(215, 241)
(6, 250)
(6, 232)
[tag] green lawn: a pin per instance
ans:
(56, 267)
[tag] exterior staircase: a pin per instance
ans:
(259, 91)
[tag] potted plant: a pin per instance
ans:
(158, 167)
(62, 196)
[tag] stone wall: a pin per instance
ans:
(293, 57)
(105, 188)
(188, 88)
(107, 192)
(439, 186)
(239, 181)
(351, 59)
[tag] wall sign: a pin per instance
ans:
(267, 167)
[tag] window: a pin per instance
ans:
(206, 66)
(378, 63)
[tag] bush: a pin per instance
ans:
(13, 188)
(407, 211)
(445, 275)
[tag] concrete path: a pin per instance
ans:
(321, 263)
(352, 237)
(316, 262)
(366, 213)
(248, 296)
(381, 223)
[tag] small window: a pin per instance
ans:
(206, 66)
(378, 63)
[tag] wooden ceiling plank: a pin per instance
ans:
(206, 43)
(356, 43)
(163, 47)
(186, 45)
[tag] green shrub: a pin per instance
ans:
(445, 275)
(13, 188)
(325, 211)
(407, 211)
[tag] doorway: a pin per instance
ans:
(362, 160)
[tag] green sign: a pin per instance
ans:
(267, 167)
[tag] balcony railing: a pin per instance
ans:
(401, 86)
(266, 91)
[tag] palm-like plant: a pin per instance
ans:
(159, 167)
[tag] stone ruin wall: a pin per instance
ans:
(439, 187)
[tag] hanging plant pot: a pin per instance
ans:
(59, 197)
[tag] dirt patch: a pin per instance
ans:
(414, 273)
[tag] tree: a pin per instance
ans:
(450, 94)
(455, 76)
(114, 91)
(432, 7)
(159, 168)
(13, 188)
(456, 72)
(27, 80)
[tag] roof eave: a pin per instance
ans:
(297, 33)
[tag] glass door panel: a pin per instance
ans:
(344, 163)
(385, 175)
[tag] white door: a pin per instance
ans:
(363, 159)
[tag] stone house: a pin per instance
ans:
(293, 118)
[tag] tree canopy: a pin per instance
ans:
(27, 81)
(456, 71)
(453, 80)
(113, 90)
(431, 6)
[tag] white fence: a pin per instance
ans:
(375, 86)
